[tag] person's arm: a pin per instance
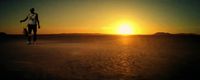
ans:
(24, 19)
(38, 22)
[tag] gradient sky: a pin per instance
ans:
(102, 16)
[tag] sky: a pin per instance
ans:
(103, 16)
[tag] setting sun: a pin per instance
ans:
(125, 29)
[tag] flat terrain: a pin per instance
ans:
(90, 57)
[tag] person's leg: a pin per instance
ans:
(25, 31)
(34, 33)
(29, 33)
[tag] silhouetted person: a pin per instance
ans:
(33, 22)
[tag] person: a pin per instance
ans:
(33, 22)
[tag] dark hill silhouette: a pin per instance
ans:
(2, 35)
(162, 34)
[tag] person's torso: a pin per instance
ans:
(32, 19)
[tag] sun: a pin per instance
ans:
(125, 29)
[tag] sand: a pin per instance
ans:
(101, 58)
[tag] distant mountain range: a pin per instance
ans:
(3, 34)
(168, 34)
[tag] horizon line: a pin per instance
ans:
(105, 33)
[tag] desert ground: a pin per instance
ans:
(100, 57)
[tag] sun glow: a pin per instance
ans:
(125, 29)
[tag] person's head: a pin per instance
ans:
(32, 10)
